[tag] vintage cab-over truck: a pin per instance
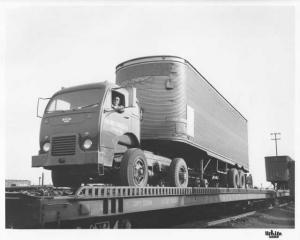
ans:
(172, 127)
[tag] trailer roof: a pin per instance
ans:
(172, 59)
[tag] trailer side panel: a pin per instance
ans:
(217, 125)
(179, 105)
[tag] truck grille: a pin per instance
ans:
(63, 145)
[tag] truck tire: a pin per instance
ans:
(233, 178)
(242, 179)
(134, 168)
(178, 172)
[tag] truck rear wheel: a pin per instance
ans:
(242, 178)
(233, 178)
(134, 168)
(179, 175)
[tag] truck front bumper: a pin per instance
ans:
(46, 160)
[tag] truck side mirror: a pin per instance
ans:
(41, 105)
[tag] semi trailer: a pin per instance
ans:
(171, 127)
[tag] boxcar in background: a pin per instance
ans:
(291, 181)
(280, 171)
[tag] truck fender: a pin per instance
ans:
(126, 141)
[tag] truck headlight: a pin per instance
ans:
(87, 143)
(46, 146)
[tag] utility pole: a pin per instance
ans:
(42, 178)
(275, 139)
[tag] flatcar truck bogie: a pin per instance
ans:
(162, 123)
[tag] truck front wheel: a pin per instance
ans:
(134, 168)
(179, 175)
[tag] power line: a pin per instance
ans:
(275, 139)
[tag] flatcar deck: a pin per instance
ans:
(91, 202)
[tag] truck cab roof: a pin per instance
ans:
(105, 84)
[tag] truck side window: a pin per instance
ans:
(118, 99)
(59, 104)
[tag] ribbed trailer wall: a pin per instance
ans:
(218, 126)
(181, 106)
(162, 107)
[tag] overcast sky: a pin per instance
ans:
(246, 52)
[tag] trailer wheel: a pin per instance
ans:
(134, 168)
(233, 178)
(242, 178)
(179, 175)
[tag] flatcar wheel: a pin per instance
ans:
(178, 172)
(242, 178)
(123, 223)
(233, 178)
(134, 168)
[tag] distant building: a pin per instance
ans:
(17, 183)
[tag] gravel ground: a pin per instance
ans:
(278, 217)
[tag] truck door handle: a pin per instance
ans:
(126, 117)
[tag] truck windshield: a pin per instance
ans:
(76, 100)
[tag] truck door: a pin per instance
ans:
(116, 120)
